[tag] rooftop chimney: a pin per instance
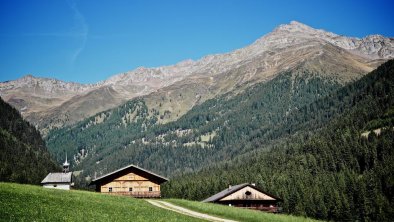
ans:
(229, 187)
(253, 184)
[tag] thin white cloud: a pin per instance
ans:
(81, 30)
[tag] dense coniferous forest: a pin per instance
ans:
(342, 171)
(298, 136)
(24, 157)
(215, 130)
(325, 149)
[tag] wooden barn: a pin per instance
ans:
(246, 196)
(130, 181)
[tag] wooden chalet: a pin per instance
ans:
(130, 181)
(246, 196)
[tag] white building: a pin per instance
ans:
(59, 180)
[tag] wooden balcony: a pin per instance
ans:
(138, 194)
(265, 209)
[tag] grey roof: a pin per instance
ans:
(234, 189)
(126, 167)
(225, 192)
(57, 178)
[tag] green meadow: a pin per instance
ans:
(234, 213)
(20, 202)
(34, 203)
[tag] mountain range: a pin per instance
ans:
(174, 90)
(305, 113)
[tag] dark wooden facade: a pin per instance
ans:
(130, 181)
(246, 196)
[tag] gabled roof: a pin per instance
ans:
(234, 189)
(160, 178)
(57, 178)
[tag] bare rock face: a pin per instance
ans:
(371, 47)
(31, 93)
(45, 84)
(50, 103)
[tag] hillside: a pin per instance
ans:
(24, 157)
(219, 129)
(213, 131)
(173, 90)
(334, 173)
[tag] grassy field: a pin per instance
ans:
(34, 203)
(235, 213)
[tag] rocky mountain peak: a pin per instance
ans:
(38, 84)
(299, 29)
(370, 47)
(285, 48)
(295, 26)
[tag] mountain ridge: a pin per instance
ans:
(294, 26)
(54, 103)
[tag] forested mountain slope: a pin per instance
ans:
(23, 155)
(215, 130)
(338, 172)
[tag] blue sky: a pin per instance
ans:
(89, 40)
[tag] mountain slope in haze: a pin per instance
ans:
(341, 172)
(174, 90)
(24, 157)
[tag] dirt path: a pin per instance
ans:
(181, 210)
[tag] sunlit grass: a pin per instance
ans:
(236, 213)
(34, 203)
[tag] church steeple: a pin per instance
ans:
(66, 166)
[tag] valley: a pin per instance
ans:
(302, 112)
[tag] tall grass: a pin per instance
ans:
(34, 203)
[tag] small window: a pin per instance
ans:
(150, 189)
(110, 189)
(248, 193)
(130, 189)
(55, 185)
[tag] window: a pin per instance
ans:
(248, 193)
(55, 185)
(110, 189)
(130, 189)
(150, 189)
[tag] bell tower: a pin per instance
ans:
(66, 166)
